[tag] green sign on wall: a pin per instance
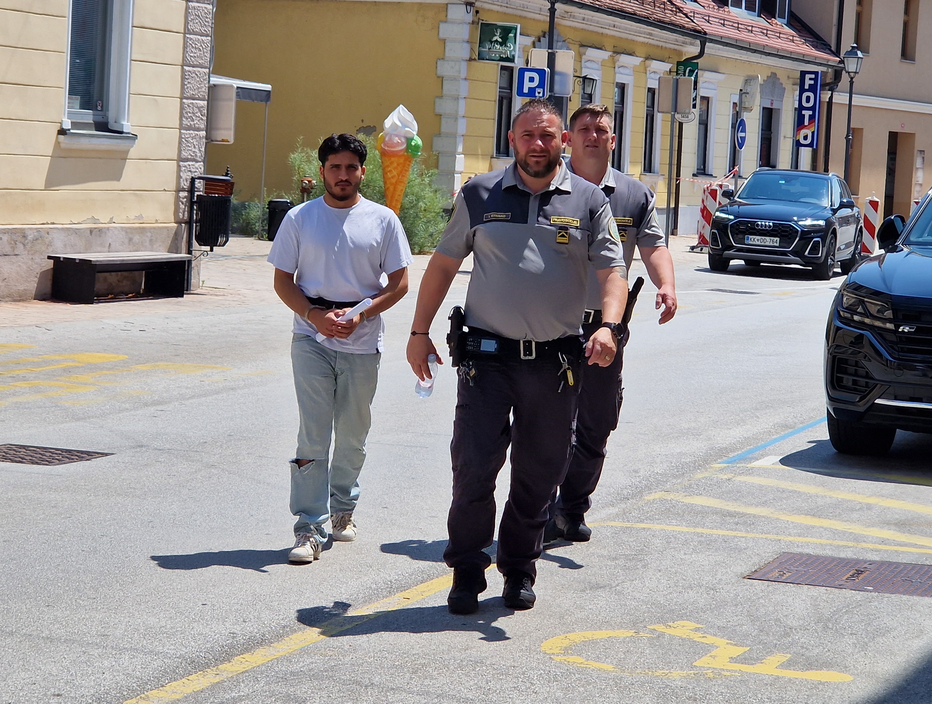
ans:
(498, 42)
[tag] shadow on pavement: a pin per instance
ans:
(914, 688)
(432, 551)
(256, 560)
(906, 463)
(333, 621)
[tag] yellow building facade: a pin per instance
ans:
(103, 116)
(327, 77)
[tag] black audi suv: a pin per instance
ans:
(878, 343)
(788, 217)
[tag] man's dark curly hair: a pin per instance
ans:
(336, 143)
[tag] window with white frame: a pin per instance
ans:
(702, 135)
(746, 5)
(624, 92)
(652, 118)
(504, 109)
(649, 164)
(778, 9)
(621, 140)
(707, 110)
(99, 45)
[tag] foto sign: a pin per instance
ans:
(533, 82)
(741, 133)
(498, 42)
(807, 111)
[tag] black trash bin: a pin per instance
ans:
(277, 209)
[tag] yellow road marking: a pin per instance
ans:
(79, 360)
(722, 658)
(726, 651)
(63, 388)
(12, 347)
(174, 368)
(238, 665)
(846, 495)
(764, 536)
(794, 518)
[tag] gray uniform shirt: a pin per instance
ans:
(633, 206)
(531, 252)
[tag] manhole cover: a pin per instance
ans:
(730, 290)
(46, 456)
(859, 575)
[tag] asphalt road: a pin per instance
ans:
(159, 572)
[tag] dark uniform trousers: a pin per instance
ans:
(597, 416)
(540, 436)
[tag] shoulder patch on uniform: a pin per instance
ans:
(563, 220)
(624, 222)
(496, 216)
(613, 231)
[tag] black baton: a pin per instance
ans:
(632, 299)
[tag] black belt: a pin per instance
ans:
(328, 304)
(481, 342)
(592, 316)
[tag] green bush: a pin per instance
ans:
(249, 219)
(422, 208)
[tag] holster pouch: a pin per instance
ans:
(456, 338)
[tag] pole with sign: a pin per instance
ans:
(741, 139)
(807, 111)
(533, 82)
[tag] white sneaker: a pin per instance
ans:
(344, 528)
(306, 548)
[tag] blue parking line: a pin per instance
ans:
(747, 453)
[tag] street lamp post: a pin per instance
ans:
(852, 60)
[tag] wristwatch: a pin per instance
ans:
(617, 329)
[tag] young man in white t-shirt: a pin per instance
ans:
(329, 254)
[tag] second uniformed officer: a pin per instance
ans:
(533, 229)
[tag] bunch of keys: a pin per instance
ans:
(564, 368)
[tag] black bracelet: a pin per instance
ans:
(413, 333)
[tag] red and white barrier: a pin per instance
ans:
(711, 199)
(871, 223)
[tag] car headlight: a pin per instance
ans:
(866, 310)
(720, 216)
(811, 224)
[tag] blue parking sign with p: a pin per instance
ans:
(533, 82)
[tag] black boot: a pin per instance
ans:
(519, 593)
(574, 528)
(468, 584)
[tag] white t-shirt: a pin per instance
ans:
(342, 254)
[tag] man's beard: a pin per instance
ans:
(545, 170)
(341, 197)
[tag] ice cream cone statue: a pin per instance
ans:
(399, 146)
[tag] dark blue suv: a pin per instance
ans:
(878, 343)
(788, 217)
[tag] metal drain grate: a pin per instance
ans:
(731, 290)
(46, 456)
(876, 576)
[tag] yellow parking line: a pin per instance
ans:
(763, 536)
(794, 518)
(846, 495)
(238, 665)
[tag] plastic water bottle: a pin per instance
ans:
(424, 388)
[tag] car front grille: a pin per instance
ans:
(851, 376)
(787, 232)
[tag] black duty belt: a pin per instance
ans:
(592, 316)
(481, 342)
(328, 304)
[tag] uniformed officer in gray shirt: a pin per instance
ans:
(591, 139)
(533, 229)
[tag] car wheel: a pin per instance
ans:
(751, 262)
(824, 269)
(717, 262)
(848, 264)
(859, 438)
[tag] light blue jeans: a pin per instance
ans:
(335, 392)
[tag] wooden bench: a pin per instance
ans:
(74, 275)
